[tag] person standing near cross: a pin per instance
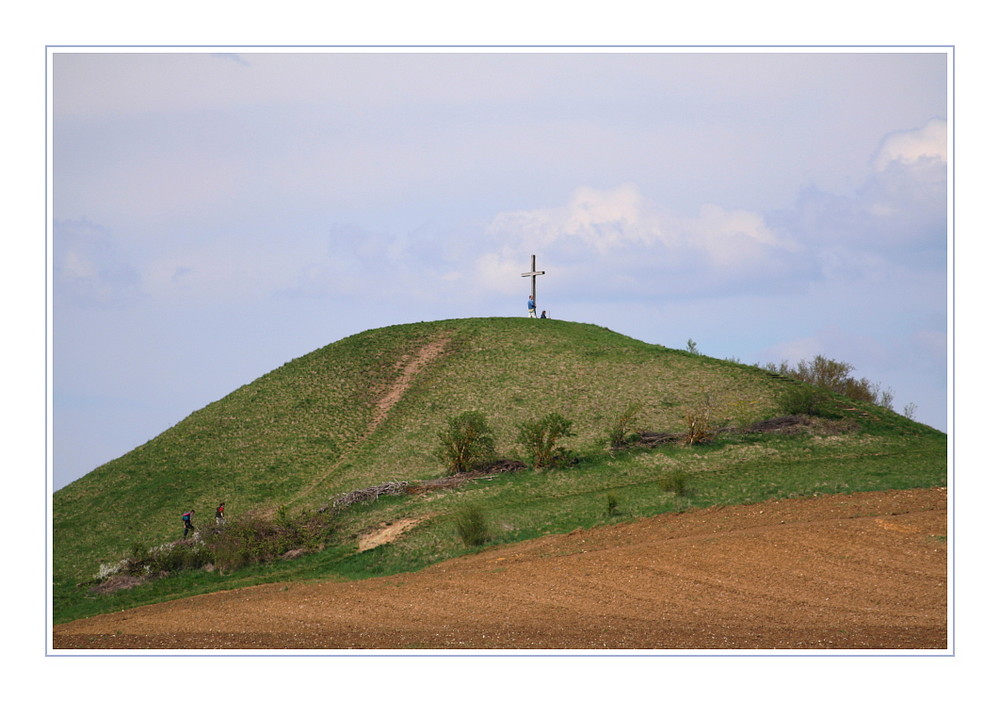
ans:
(533, 274)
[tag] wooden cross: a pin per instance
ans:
(533, 274)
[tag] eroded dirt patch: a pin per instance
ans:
(863, 571)
(387, 533)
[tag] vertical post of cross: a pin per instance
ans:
(533, 274)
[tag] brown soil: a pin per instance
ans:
(387, 533)
(864, 571)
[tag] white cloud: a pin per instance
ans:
(898, 212)
(908, 147)
(610, 238)
(600, 220)
(733, 238)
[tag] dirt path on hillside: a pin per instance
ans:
(865, 571)
(409, 368)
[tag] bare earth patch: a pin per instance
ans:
(863, 571)
(387, 533)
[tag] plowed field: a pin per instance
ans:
(863, 571)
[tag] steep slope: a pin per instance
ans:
(366, 410)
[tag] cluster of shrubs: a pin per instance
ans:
(468, 443)
(823, 373)
(240, 542)
(258, 539)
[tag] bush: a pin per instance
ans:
(168, 558)
(624, 428)
(539, 438)
(256, 539)
(675, 481)
(612, 504)
(467, 443)
(828, 374)
(699, 422)
(802, 399)
(698, 427)
(250, 539)
(470, 522)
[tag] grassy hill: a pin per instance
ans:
(367, 409)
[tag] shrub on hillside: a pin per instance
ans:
(258, 539)
(699, 427)
(250, 539)
(540, 439)
(802, 399)
(466, 444)
(168, 558)
(624, 429)
(829, 374)
(674, 481)
(611, 508)
(470, 523)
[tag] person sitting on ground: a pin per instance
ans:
(545, 314)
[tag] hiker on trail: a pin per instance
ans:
(186, 518)
(531, 306)
(220, 514)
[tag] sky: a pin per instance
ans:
(217, 213)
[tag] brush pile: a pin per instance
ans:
(367, 494)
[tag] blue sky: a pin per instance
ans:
(216, 214)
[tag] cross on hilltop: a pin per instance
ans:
(533, 274)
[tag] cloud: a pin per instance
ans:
(617, 240)
(88, 267)
(897, 215)
(909, 147)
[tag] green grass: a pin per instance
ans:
(297, 437)
(526, 505)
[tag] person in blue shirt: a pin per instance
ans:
(188, 526)
(531, 306)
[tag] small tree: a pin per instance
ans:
(467, 443)
(540, 437)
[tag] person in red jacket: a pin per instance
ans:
(220, 514)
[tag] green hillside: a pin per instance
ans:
(366, 410)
